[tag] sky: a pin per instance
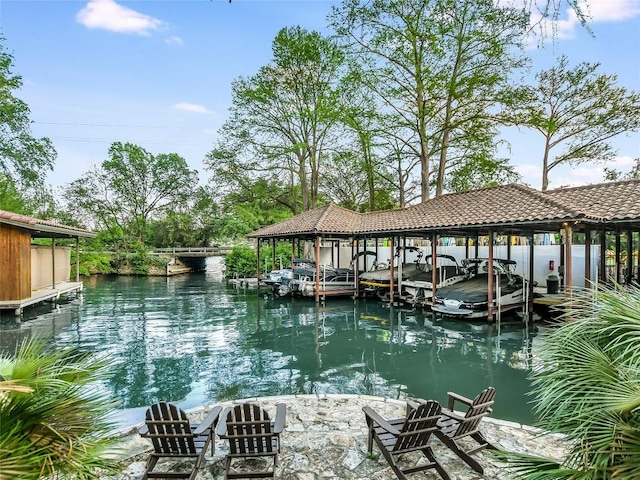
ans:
(158, 73)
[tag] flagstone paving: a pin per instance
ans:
(326, 438)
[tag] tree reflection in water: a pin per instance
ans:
(194, 340)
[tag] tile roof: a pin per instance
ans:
(507, 205)
(39, 225)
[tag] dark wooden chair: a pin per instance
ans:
(409, 434)
(174, 438)
(452, 427)
(251, 434)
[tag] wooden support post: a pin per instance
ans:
(562, 270)
(587, 257)
(434, 251)
(618, 248)
(53, 263)
(629, 276)
(77, 259)
(531, 274)
(490, 279)
(603, 256)
(638, 272)
(509, 247)
(391, 279)
(476, 247)
(273, 254)
(318, 269)
(466, 246)
(293, 252)
(568, 271)
(258, 257)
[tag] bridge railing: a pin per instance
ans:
(213, 251)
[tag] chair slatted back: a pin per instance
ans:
(249, 430)
(169, 430)
(480, 407)
(418, 427)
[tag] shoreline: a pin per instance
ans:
(326, 437)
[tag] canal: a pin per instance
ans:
(195, 339)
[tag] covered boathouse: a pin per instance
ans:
(31, 274)
(601, 213)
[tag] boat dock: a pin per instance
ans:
(41, 295)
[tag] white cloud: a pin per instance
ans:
(611, 10)
(190, 107)
(565, 26)
(108, 15)
(175, 40)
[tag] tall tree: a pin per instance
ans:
(24, 159)
(577, 111)
(129, 189)
(282, 117)
(437, 65)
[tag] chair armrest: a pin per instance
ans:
(144, 430)
(412, 404)
(371, 414)
(222, 424)
(451, 414)
(210, 420)
(453, 397)
(281, 415)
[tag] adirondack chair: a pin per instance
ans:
(452, 427)
(174, 438)
(251, 434)
(402, 435)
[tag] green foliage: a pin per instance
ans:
(283, 256)
(578, 111)
(55, 418)
(242, 261)
(24, 160)
(92, 263)
(130, 189)
(587, 387)
(282, 120)
(140, 261)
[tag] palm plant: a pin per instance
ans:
(587, 387)
(54, 418)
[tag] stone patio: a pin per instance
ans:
(326, 438)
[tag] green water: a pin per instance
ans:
(194, 339)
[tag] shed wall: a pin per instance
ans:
(15, 259)
(41, 266)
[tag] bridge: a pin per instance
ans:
(193, 252)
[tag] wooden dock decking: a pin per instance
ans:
(41, 295)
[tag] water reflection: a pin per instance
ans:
(193, 339)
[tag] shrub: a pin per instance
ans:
(587, 387)
(54, 417)
(241, 262)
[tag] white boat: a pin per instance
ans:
(378, 281)
(301, 281)
(417, 288)
(469, 298)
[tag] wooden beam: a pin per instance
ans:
(490, 279)
(391, 281)
(587, 257)
(434, 251)
(77, 259)
(618, 248)
(53, 263)
(629, 276)
(603, 256)
(531, 274)
(318, 238)
(273, 254)
(568, 228)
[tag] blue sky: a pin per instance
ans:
(158, 73)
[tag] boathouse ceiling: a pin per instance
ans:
(507, 209)
(42, 228)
